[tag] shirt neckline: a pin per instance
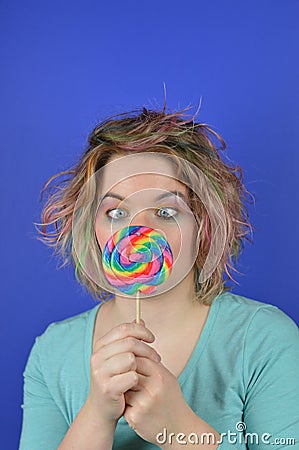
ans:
(201, 342)
(199, 347)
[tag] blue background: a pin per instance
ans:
(66, 65)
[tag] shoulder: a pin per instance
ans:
(65, 337)
(252, 326)
(261, 330)
(72, 326)
(255, 315)
(259, 337)
(57, 362)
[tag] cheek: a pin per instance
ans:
(184, 245)
(182, 241)
(102, 232)
(175, 245)
(101, 238)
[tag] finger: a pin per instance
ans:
(145, 366)
(129, 344)
(119, 363)
(142, 383)
(121, 383)
(133, 398)
(124, 330)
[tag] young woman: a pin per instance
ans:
(205, 367)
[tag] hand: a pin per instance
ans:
(113, 369)
(156, 401)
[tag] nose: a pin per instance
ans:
(142, 218)
(145, 218)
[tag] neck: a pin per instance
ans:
(168, 311)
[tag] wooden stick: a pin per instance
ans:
(137, 308)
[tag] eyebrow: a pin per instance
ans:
(160, 197)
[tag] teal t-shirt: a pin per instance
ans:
(242, 378)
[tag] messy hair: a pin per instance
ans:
(159, 131)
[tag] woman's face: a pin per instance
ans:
(143, 190)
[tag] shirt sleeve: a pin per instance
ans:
(271, 371)
(271, 384)
(43, 425)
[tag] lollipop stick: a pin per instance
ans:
(137, 308)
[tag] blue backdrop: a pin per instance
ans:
(66, 65)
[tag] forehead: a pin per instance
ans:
(139, 171)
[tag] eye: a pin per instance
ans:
(117, 213)
(167, 213)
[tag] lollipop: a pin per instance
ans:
(137, 259)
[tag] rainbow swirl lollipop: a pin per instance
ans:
(137, 259)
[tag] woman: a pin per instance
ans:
(205, 366)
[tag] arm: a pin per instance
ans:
(271, 370)
(111, 375)
(86, 434)
(44, 425)
(192, 432)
